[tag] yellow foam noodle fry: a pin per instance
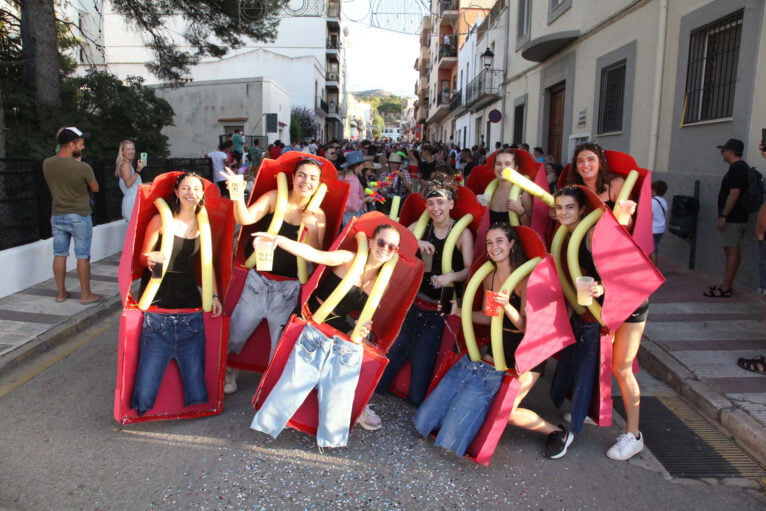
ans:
(166, 247)
(466, 313)
(530, 186)
(312, 206)
(491, 187)
(627, 188)
(451, 242)
(513, 217)
(352, 276)
(394, 212)
(496, 323)
(280, 208)
(569, 293)
(371, 305)
(573, 254)
(420, 226)
(206, 259)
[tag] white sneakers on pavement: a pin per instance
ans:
(626, 447)
(230, 382)
(369, 420)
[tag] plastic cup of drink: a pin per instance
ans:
(264, 254)
(236, 186)
(583, 284)
(428, 262)
(491, 307)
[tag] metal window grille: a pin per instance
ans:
(611, 97)
(518, 123)
(712, 70)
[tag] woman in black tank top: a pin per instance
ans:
(592, 170)
(499, 203)
(505, 251)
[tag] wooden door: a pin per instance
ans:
(556, 96)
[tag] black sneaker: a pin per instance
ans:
(557, 444)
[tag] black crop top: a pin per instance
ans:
(285, 264)
(457, 263)
(353, 301)
(178, 289)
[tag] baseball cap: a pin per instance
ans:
(71, 133)
(734, 144)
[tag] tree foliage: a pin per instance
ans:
(302, 124)
(212, 28)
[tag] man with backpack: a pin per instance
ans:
(732, 214)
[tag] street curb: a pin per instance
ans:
(59, 334)
(743, 428)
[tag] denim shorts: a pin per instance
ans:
(166, 337)
(66, 227)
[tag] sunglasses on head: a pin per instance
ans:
(310, 160)
(390, 246)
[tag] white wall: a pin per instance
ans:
(200, 105)
(31, 264)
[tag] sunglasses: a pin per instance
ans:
(390, 246)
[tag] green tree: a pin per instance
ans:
(302, 125)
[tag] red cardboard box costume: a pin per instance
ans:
(254, 356)
(628, 277)
(412, 209)
(547, 332)
(169, 403)
(386, 323)
(621, 164)
(482, 175)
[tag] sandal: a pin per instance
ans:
(755, 365)
(717, 292)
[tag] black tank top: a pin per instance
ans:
(498, 216)
(457, 263)
(353, 301)
(285, 264)
(178, 289)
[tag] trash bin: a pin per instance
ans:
(683, 216)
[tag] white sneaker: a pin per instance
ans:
(588, 420)
(369, 420)
(230, 382)
(626, 447)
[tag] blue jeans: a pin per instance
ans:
(329, 363)
(459, 404)
(165, 337)
(577, 370)
(418, 340)
(262, 299)
(67, 227)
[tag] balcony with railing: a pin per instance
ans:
(331, 79)
(333, 13)
(441, 106)
(320, 107)
(334, 110)
(333, 42)
(449, 8)
(484, 89)
(448, 52)
(456, 101)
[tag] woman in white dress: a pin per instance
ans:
(129, 177)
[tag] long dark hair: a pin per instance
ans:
(571, 191)
(175, 204)
(517, 255)
(605, 175)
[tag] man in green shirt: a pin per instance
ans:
(69, 181)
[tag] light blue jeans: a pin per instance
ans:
(330, 364)
(262, 299)
(459, 404)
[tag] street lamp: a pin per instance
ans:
(486, 58)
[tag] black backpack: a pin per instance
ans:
(752, 198)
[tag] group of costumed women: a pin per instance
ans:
(383, 289)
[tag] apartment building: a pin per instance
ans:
(306, 62)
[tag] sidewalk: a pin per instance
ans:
(691, 342)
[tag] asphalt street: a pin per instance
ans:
(61, 449)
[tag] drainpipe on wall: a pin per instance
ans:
(506, 65)
(662, 24)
